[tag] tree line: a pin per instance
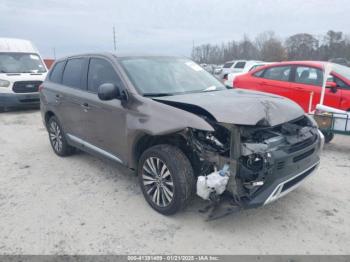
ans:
(269, 47)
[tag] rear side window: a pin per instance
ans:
(56, 73)
(279, 73)
(240, 65)
(259, 73)
(101, 72)
(254, 67)
(309, 76)
(73, 72)
(227, 65)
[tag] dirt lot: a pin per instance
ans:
(82, 205)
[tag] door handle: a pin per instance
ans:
(85, 106)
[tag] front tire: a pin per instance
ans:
(57, 138)
(328, 137)
(166, 178)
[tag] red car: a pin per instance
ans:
(301, 82)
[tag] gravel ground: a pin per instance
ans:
(83, 205)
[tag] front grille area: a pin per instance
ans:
(301, 145)
(26, 86)
(280, 165)
(303, 155)
(297, 179)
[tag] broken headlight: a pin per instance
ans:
(312, 121)
(211, 141)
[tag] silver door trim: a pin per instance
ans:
(94, 148)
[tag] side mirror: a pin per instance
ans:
(109, 91)
(332, 86)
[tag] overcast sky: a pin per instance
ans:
(161, 26)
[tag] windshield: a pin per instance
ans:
(21, 63)
(344, 71)
(168, 76)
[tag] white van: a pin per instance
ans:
(22, 70)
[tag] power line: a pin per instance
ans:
(114, 40)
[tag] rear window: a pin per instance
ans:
(228, 65)
(259, 73)
(280, 73)
(56, 73)
(240, 65)
(72, 72)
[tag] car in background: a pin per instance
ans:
(22, 70)
(217, 69)
(249, 66)
(340, 61)
(234, 66)
(301, 81)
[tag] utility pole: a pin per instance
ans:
(54, 53)
(114, 40)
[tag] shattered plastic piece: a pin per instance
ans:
(215, 182)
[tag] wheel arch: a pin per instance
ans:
(48, 115)
(146, 141)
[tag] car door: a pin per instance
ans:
(106, 120)
(275, 80)
(69, 98)
(308, 87)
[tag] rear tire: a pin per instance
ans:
(58, 139)
(166, 178)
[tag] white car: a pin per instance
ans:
(234, 66)
(249, 66)
(22, 71)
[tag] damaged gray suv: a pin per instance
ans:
(180, 129)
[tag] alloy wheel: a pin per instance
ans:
(55, 136)
(158, 181)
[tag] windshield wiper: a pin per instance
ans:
(157, 94)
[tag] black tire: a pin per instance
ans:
(181, 176)
(58, 139)
(328, 137)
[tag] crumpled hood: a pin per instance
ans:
(237, 106)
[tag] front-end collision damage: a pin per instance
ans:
(253, 155)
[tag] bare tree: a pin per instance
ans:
(302, 47)
(268, 47)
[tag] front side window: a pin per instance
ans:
(21, 63)
(309, 75)
(101, 72)
(168, 76)
(338, 81)
(279, 73)
(56, 73)
(73, 72)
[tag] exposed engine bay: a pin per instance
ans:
(243, 158)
